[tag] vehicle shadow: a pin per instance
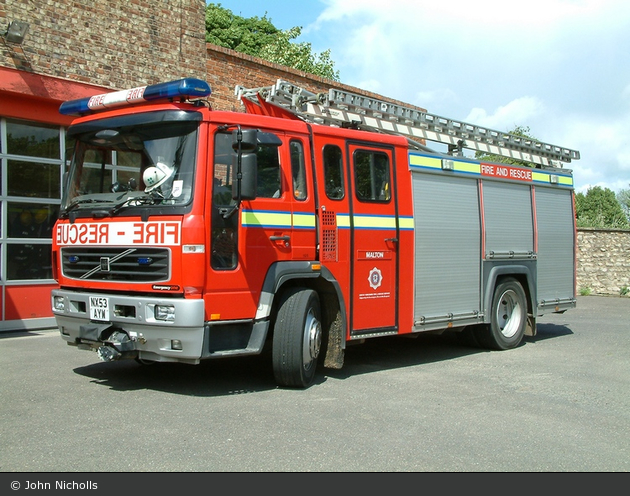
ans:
(27, 333)
(244, 375)
(400, 352)
(548, 331)
(221, 377)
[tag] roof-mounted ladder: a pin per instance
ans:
(343, 109)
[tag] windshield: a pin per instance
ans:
(143, 159)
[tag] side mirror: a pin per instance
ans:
(244, 188)
(245, 144)
(244, 164)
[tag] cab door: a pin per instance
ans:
(374, 239)
(247, 239)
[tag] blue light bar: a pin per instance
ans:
(184, 88)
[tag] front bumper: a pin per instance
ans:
(131, 327)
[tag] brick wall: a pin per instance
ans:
(603, 260)
(115, 43)
(227, 68)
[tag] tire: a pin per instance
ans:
(508, 317)
(297, 338)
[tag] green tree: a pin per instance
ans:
(258, 37)
(599, 208)
(300, 56)
(247, 36)
(623, 197)
(489, 157)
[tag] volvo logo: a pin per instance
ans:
(105, 264)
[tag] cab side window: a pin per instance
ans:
(298, 170)
(371, 175)
(269, 178)
(333, 172)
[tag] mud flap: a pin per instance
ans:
(334, 349)
(530, 327)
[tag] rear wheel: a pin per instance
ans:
(508, 317)
(297, 338)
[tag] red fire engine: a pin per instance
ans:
(306, 223)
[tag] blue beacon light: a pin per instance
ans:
(183, 88)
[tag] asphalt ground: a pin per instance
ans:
(560, 402)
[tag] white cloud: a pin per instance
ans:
(605, 146)
(506, 117)
(371, 85)
(436, 98)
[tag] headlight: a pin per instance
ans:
(165, 313)
(59, 303)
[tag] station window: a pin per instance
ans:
(32, 157)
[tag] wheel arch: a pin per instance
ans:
(284, 275)
(524, 273)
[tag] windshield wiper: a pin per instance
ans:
(76, 203)
(132, 201)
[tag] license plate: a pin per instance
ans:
(99, 308)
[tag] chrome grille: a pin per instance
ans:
(116, 264)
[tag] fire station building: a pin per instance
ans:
(68, 49)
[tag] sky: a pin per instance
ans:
(558, 67)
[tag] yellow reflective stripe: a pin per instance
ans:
(473, 167)
(540, 177)
(253, 218)
(261, 218)
(406, 222)
(469, 167)
(436, 163)
(543, 177)
(567, 181)
(343, 220)
(374, 222)
(302, 220)
(422, 161)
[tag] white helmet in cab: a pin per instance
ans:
(154, 177)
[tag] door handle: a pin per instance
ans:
(393, 240)
(286, 239)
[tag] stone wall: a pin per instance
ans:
(115, 44)
(603, 261)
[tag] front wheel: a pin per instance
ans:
(297, 338)
(508, 317)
